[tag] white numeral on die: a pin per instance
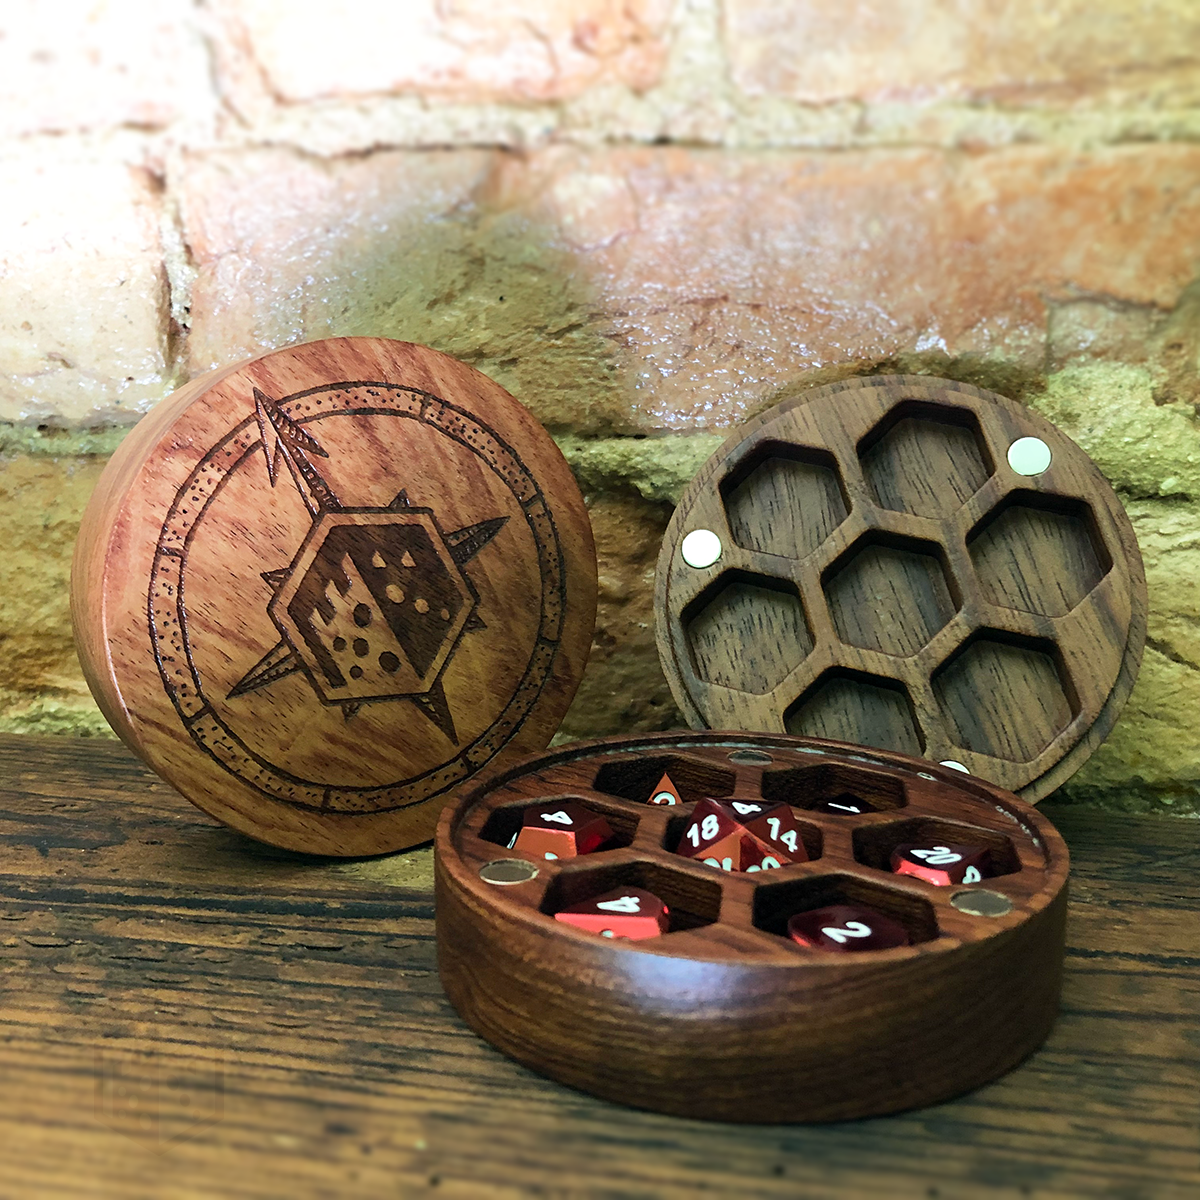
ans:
(971, 875)
(939, 856)
(623, 904)
(852, 929)
(746, 808)
(560, 817)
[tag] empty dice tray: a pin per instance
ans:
(723, 1016)
(908, 563)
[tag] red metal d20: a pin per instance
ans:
(846, 929)
(625, 912)
(776, 827)
(711, 823)
(942, 865)
(561, 829)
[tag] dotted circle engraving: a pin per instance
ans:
(294, 421)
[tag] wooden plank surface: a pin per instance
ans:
(186, 1013)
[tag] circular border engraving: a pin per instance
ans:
(288, 424)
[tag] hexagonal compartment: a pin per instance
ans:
(504, 823)
(1005, 695)
(740, 610)
(635, 779)
(873, 844)
(692, 902)
(890, 594)
(925, 459)
(1038, 553)
(775, 903)
(810, 835)
(804, 787)
(866, 710)
(784, 500)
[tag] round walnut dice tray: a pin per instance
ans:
(723, 1016)
(319, 590)
(912, 564)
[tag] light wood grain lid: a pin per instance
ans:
(319, 590)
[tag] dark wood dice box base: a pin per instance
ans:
(724, 1017)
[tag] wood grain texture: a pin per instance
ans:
(887, 578)
(141, 942)
(723, 1015)
(319, 590)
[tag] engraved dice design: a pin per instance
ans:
(625, 912)
(942, 865)
(741, 835)
(560, 829)
(846, 929)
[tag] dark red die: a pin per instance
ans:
(625, 912)
(742, 835)
(726, 853)
(706, 832)
(846, 929)
(665, 792)
(561, 829)
(844, 806)
(776, 827)
(942, 865)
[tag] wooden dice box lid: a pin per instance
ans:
(247, 546)
(722, 1017)
(908, 563)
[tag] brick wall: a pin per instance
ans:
(643, 217)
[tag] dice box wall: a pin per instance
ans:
(723, 1016)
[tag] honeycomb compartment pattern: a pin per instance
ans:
(887, 579)
(925, 460)
(785, 501)
(876, 581)
(1007, 548)
(768, 611)
(1005, 697)
(868, 711)
(748, 913)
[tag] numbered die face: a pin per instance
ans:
(942, 864)
(844, 806)
(561, 829)
(776, 828)
(757, 855)
(665, 792)
(726, 853)
(625, 912)
(846, 929)
(711, 823)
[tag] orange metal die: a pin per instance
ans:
(777, 828)
(726, 854)
(846, 929)
(758, 856)
(561, 829)
(665, 792)
(942, 865)
(627, 912)
(710, 824)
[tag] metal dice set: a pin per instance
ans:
(738, 835)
